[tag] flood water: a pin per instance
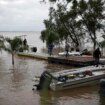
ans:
(16, 84)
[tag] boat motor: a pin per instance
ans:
(45, 80)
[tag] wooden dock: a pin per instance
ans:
(34, 55)
(77, 61)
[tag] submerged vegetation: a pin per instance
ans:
(73, 21)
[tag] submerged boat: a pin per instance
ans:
(71, 78)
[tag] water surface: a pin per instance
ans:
(16, 85)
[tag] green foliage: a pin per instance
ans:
(52, 37)
(92, 16)
(102, 44)
(43, 36)
(75, 4)
(49, 36)
(73, 19)
(14, 44)
(82, 6)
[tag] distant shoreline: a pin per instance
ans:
(20, 31)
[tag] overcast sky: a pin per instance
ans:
(22, 15)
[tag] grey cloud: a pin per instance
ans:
(24, 14)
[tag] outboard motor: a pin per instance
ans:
(102, 86)
(45, 81)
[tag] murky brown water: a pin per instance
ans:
(16, 85)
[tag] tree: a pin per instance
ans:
(43, 36)
(49, 36)
(92, 16)
(76, 19)
(64, 23)
(13, 46)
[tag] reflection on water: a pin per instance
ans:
(56, 67)
(80, 96)
(46, 98)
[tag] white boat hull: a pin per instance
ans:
(70, 53)
(90, 80)
(71, 78)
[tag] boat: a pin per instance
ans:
(71, 78)
(73, 53)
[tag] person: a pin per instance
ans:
(25, 45)
(97, 55)
(67, 49)
(50, 48)
(25, 42)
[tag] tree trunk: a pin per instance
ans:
(94, 35)
(94, 46)
(12, 58)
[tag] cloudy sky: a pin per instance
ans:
(22, 15)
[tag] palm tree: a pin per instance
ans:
(13, 46)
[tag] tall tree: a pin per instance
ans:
(71, 19)
(92, 16)
(65, 23)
